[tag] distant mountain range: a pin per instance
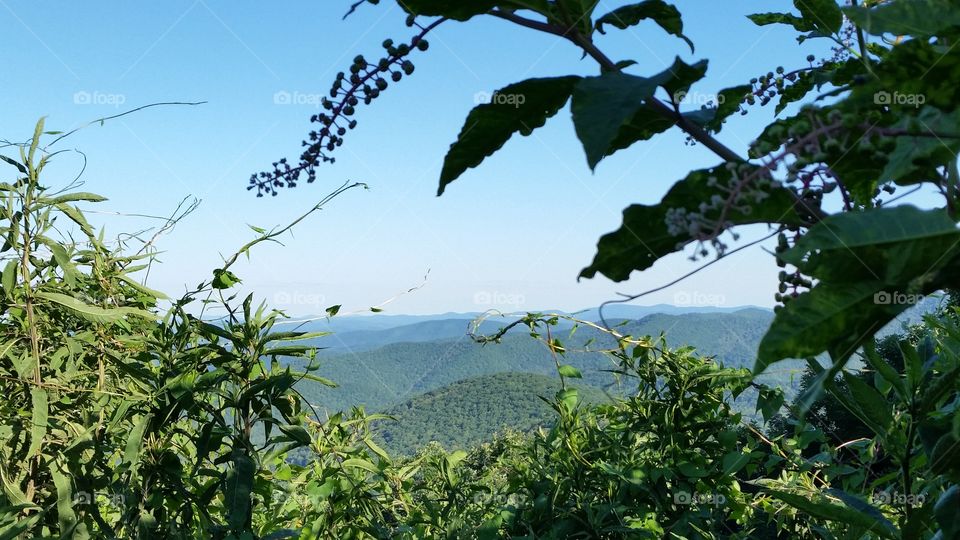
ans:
(380, 369)
(425, 370)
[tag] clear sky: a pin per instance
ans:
(511, 235)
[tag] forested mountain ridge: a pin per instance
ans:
(470, 411)
(388, 375)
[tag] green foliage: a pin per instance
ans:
(125, 420)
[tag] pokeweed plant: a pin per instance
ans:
(877, 121)
(874, 124)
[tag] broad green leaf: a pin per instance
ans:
(825, 14)
(769, 402)
(10, 488)
(864, 507)
(885, 370)
(916, 158)
(293, 336)
(316, 378)
(610, 111)
(333, 310)
(518, 108)
(918, 18)
(571, 372)
(691, 470)
(61, 257)
(830, 316)
(569, 397)
(734, 461)
(35, 141)
(870, 406)
(224, 279)
(602, 107)
(894, 245)
(579, 13)
(665, 15)
(297, 433)
(651, 232)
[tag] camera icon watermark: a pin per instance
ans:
(497, 98)
(298, 298)
(685, 97)
(283, 97)
(896, 298)
(685, 498)
(896, 98)
(898, 499)
(86, 498)
(84, 97)
(698, 299)
(497, 298)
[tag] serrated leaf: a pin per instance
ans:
(825, 14)
(517, 108)
(611, 112)
(665, 15)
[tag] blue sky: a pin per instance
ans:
(511, 235)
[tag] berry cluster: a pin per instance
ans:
(364, 82)
(791, 283)
(735, 188)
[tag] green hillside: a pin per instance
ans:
(468, 412)
(388, 375)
